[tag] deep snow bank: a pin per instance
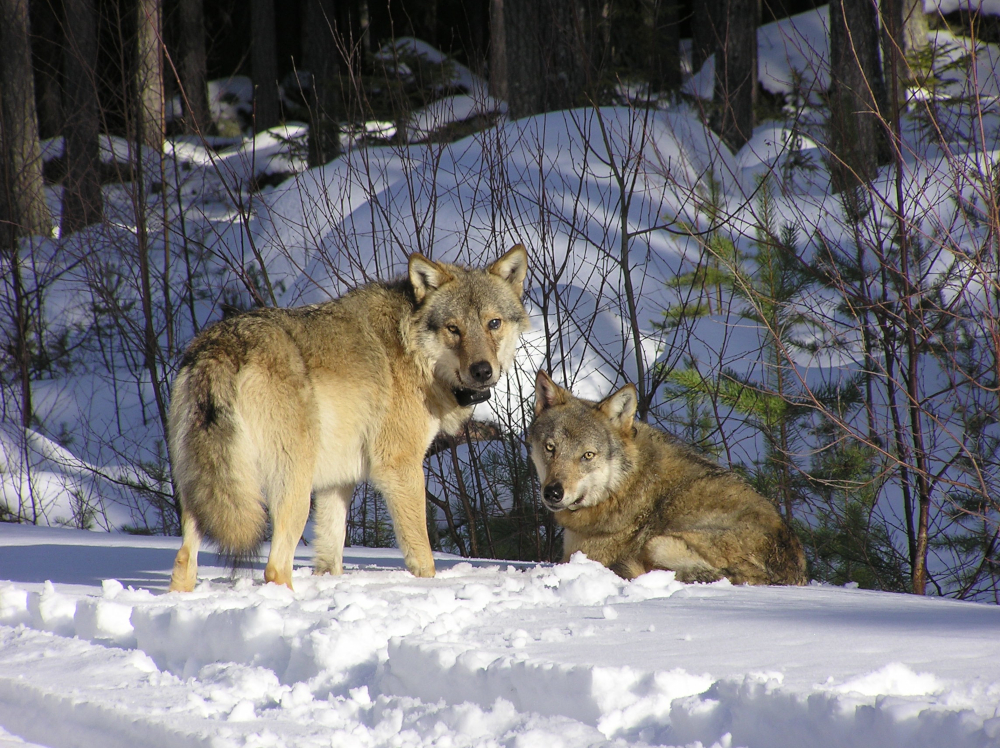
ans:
(484, 654)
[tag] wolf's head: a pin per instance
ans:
(468, 321)
(581, 449)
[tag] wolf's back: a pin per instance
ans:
(210, 452)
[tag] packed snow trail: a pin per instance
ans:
(484, 654)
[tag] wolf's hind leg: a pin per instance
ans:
(403, 488)
(185, 573)
(288, 517)
(330, 519)
(673, 552)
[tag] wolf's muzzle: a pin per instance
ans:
(552, 495)
(481, 371)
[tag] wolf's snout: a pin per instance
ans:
(481, 371)
(553, 493)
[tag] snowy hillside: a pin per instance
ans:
(485, 654)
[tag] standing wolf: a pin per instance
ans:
(635, 499)
(275, 405)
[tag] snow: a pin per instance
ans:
(793, 55)
(985, 7)
(92, 652)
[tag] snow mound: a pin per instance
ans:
(483, 654)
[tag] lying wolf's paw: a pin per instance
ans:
(703, 575)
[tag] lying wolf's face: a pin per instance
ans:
(579, 448)
(470, 320)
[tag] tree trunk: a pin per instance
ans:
(915, 26)
(736, 71)
(662, 20)
(149, 74)
(194, 67)
(904, 34)
(565, 69)
(597, 34)
(427, 23)
(498, 51)
(320, 53)
(264, 64)
(858, 142)
(523, 38)
(47, 51)
(704, 36)
(546, 61)
(905, 21)
(23, 210)
(477, 18)
(81, 198)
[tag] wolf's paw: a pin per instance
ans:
(271, 574)
(184, 575)
(181, 585)
(704, 575)
(328, 567)
(420, 569)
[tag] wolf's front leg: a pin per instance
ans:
(676, 552)
(331, 505)
(403, 488)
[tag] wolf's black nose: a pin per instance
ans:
(481, 371)
(553, 493)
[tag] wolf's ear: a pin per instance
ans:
(547, 393)
(512, 267)
(426, 275)
(620, 407)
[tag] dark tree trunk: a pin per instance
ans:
(905, 21)
(564, 58)
(320, 56)
(915, 26)
(498, 51)
(477, 17)
(736, 71)
(662, 21)
(149, 73)
(704, 36)
(427, 24)
(47, 52)
(23, 210)
(858, 142)
(597, 38)
(264, 64)
(546, 61)
(523, 39)
(81, 198)
(193, 67)
(904, 34)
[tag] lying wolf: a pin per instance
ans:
(275, 405)
(635, 499)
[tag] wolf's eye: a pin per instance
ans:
(588, 456)
(453, 329)
(550, 447)
(494, 324)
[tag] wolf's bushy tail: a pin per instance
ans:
(210, 450)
